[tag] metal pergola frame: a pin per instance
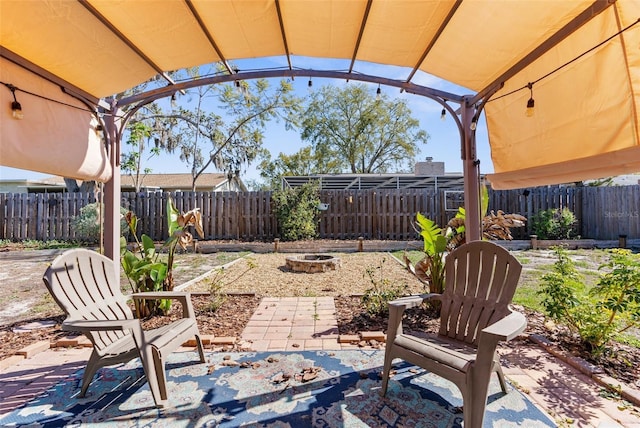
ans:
(465, 116)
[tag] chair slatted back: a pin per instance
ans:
(480, 281)
(84, 285)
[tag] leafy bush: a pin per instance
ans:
(296, 211)
(87, 224)
(439, 242)
(145, 269)
(555, 224)
(436, 245)
(598, 314)
(376, 299)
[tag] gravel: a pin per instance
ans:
(270, 276)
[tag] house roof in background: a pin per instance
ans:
(168, 182)
(176, 181)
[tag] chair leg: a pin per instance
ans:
(154, 370)
(388, 359)
(395, 327)
(161, 374)
(200, 348)
(501, 379)
(473, 413)
(475, 399)
(92, 366)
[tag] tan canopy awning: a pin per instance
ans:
(58, 135)
(586, 94)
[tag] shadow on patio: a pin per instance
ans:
(269, 392)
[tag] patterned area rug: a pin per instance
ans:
(275, 389)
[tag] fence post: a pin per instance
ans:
(622, 241)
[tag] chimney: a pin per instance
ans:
(429, 167)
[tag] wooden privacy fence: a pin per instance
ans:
(41, 216)
(226, 215)
(375, 214)
(602, 212)
(528, 202)
(386, 214)
(608, 212)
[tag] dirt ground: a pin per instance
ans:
(22, 292)
(24, 296)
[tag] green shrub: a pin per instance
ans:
(87, 225)
(598, 314)
(145, 269)
(296, 211)
(376, 299)
(555, 223)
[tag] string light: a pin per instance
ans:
(571, 61)
(443, 115)
(530, 103)
(310, 84)
(16, 108)
(42, 97)
(474, 123)
(378, 92)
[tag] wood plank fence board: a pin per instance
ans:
(603, 212)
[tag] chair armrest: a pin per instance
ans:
(178, 295)
(507, 328)
(397, 308)
(100, 325)
(413, 301)
(183, 297)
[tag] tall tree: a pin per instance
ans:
(361, 132)
(220, 125)
(140, 137)
(302, 162)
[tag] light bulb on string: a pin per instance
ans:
(443, 115)
(378, 92)
(474, 123)
(16, 108)
(531, 102)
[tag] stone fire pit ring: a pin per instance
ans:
(313, 263)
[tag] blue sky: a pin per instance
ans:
(443, 145)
